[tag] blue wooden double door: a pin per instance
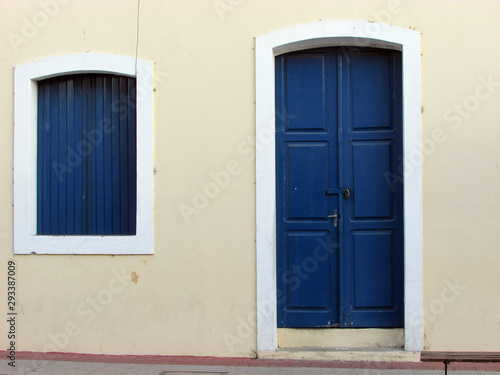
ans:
(339, 210)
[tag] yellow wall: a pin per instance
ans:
(199, 287)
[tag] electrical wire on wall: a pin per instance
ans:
(137, 37)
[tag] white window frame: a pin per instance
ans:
(331, 34)
(26, 241)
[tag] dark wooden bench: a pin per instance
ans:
(448, 357)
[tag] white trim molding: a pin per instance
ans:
(25, 154)
(323, 34)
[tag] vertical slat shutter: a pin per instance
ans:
(86, 155)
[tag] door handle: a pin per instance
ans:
(335, 218)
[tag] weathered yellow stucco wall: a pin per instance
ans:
(200, 285)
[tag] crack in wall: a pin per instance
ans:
(83, 28)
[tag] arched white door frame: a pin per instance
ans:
(323, 34)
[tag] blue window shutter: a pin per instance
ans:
(86, 166)
(132, 156)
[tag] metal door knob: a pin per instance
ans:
(335, 218)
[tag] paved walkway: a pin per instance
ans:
(77, 364)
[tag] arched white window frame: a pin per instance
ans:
(26, 241)
(330, 34)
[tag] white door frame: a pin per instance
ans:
(331, 34)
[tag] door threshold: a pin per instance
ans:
(369, 338)
(342, 354)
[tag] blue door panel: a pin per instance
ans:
(309, 257)
(376, 205)
(308, 294)
(371, 96)
(307, 178)
(372, 259)
(306, 272)
(373, 195)
(306, 106)
(339, 125)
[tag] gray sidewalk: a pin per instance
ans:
(92, 368)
